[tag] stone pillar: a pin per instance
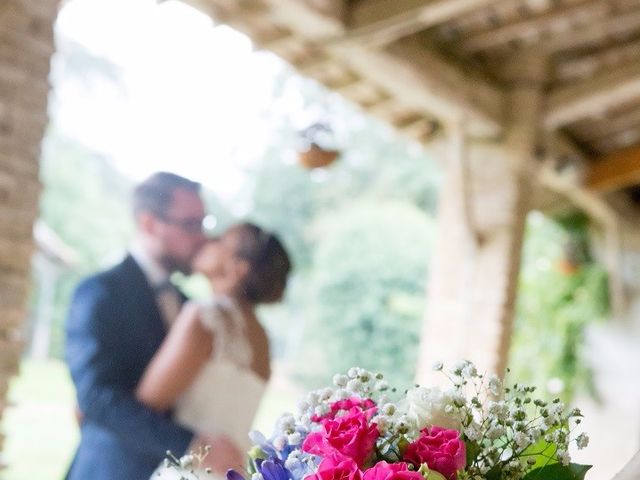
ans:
(26, 46)
(481, 218)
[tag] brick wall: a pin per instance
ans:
(26, 46)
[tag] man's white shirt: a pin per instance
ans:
(167, 296)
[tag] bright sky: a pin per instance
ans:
(194, 91)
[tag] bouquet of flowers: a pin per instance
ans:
(478, 429)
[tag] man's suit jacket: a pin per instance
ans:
(113, 329)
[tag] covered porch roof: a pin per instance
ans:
(421, 65)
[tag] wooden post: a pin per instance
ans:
(481, 219)
(26, 40)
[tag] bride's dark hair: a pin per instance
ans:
(269, 263)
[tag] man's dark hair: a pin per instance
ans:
(155, 194)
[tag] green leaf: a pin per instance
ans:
(472, 449)
(494, 474)
(573, 471)
(542, 451)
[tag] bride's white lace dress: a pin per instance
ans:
(226, 393)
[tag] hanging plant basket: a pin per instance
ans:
(567, 267)
(317, 146)
(316, 157)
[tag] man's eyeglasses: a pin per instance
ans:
(189, 225)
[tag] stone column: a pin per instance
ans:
(26, 46)
(481, 218)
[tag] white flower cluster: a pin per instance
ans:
(507, 425)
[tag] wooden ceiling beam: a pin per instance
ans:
(591, 97)
(419, 77)
(512, 31)
(590, 34)
(587, 65)
(381, 22)
(420, 130)
(615, 171)
(618, 141)
(605, 127)
(412, 73)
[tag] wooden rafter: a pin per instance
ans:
(615, 171)
(419, 77)
(429, 83)
(532, 26)
(601, 129)
(587, 65)
(593, 96)
(590, 34)
(376, 23)
(618, 141)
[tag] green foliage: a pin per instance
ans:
(84, 201)
(561, 291)
(368, 280)
(555, 471)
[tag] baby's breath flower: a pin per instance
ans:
(495, 432)
(280, 442)
(292, 463)
(186, 461)
(325, 394)
(355, 385)
(321, 410)
(563, 457)
(582, 441)
(256, 476)
(381, 386)
(388, 409)
(286, 423)
(458, 367)
(437, 366)
(341, 394)
(575, 413)
(473, 432)
(340, 380)
(469, 371)
(294, 438)
(494, 385)
(313, 398)
(522, 440)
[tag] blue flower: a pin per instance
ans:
(272, 469)
(233, 475)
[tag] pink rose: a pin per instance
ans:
(441, 449)
(336, 467)
(391, 471)
(350, 435)
(349, 405)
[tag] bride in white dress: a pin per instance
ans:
(213, 366)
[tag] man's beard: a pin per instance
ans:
(172, 264)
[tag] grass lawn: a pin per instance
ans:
(41, 429)
(39, 425)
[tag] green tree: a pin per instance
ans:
(368, 284)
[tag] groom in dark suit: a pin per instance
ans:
(117, 321)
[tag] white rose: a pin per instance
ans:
(425, 406)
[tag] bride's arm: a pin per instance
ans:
(183, 353)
